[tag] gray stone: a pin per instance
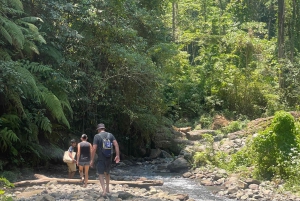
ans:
(178, 165)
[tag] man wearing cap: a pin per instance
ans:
(104, 163)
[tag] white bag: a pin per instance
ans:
(67, 158)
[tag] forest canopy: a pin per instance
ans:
(139, 67)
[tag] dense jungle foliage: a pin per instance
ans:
(138, 66)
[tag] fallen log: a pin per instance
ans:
(42, 179)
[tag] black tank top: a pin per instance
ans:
(85, 154)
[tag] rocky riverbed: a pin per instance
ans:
(201, 184)
(186, 184)
(67, 192)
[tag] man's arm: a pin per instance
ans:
(117, 158)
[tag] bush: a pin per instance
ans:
(9, 175)
(207, 156)
(242, 158)
(273, 147)
(5, 183)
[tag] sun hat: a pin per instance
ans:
(100, 126)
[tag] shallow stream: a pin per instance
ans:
(174, 183)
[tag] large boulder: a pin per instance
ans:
(178, 165)
(155, 153)
(164, 140)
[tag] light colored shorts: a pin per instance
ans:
(72, 167)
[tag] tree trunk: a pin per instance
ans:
(174, 19)
(280, 37)
(41, 179)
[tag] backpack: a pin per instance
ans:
(106, 146)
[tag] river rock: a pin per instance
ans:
(155, 153)
(178, 165)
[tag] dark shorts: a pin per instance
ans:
(83, 163)
(103, 166)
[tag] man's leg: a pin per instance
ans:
(107, 179)
(71, 174)
(101, 179)
(72, 167)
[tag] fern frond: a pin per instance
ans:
(40, 39)
(29, 87)
(7, 137)
(36, 67)
(53, 104)
(30, 47)
(45, 124)
(14, 31)
(51, 52)
(15, 98)
(30, 31)
(66, 104)
(16, 4)
(6, 35)
(63, 97)
(11, 121)
(4, 56)
(33, 148)
(31, 27)
(33, 132)
(31, 19)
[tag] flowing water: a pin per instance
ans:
(174, 183)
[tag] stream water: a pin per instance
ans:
(174, 183)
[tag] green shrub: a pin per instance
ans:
(221, 159)
(207, 156)
(9, 175)
(5, 183)
(242, 158)
(234, 126)
(201, 159)
(206, 121)
(273, 147)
